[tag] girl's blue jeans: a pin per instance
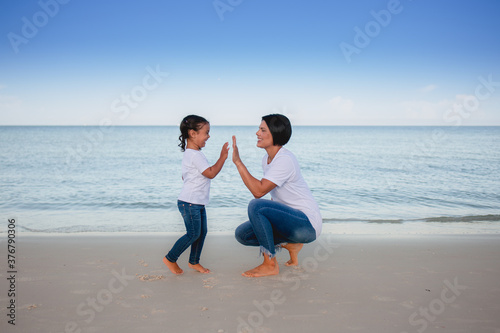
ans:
(273, 223)
(195, 219)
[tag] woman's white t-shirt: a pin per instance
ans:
(291, 188)
(196, 188)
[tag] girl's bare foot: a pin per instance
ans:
(293, 249)
(199, 268)
(268, 267)
(174, 268)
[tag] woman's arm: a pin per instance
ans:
(216, 168)
(258, 188)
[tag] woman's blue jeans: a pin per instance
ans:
(195, 219)
(273, 223)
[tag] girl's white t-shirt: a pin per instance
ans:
(196, 188)
(291, 188)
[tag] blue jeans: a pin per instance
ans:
(195, 219)
(273, 223)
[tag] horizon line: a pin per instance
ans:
(175, 125)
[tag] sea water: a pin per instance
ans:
(126, 179)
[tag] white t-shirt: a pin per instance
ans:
(291, 188)
(196, 188)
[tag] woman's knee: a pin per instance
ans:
(242, 233)
(255, 206)
(239, 233)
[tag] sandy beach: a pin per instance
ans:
(344, 283)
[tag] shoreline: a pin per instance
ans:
(337, 228)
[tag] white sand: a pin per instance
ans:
(345, 283)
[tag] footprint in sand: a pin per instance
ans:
(148, 277)
(209, 283)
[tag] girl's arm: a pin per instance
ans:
(216, 168)
(258, 188)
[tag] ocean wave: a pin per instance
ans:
(471, 218)
(139, 205)
(99, 228)
(439, 219)
(331, 220)
(57, 206)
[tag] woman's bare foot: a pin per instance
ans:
(199, 268)
(174, 268)
(268, 267)
(293, 249)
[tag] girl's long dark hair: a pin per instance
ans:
(191, 122)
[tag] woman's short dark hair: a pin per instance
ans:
(191, 122)
(280, 128)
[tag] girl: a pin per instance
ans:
(196, 174)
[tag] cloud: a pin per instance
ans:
(11, 111)
(463, 98)
(428, 88)
(9, 102)
(425, 110)
(341, 106)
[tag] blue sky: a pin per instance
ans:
(408, 62)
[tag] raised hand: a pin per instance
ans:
(224, 153)
(212, 171)
(236, 153)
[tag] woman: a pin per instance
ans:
(291, 218)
